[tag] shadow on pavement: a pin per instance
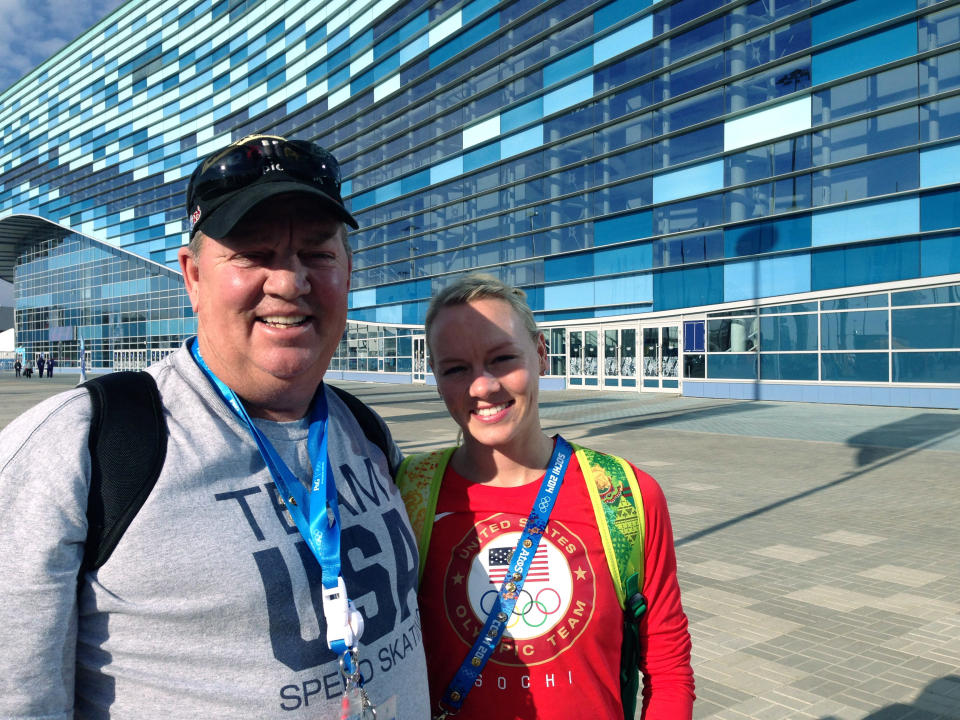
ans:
(885, 440)
(940, 700)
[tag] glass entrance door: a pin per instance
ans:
(619, 358)
(582, 360)
(419, 359)
(661, 358)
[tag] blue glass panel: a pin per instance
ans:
(926, 367)
(691, 214)
(854, 330)
(766, 277)
(940, 119)
(521, 115)
(939, 166)
(866, 221)
(456, 44)
(614, 12)
(858, 181)
(855, 367)
(940, 210)
(624, 227)
(576, 92)
(740, 366)
(622, 40)
(482, 156)
(927, 296)
(863, 94)
(688, 181)
(925, 328)
(568, 66)
(769, 236)
(688, 287)
(866, 264)
(638, 288)
(864, 53)
(568, 267)
(888, 131)
(568, 295)
(855, 303)
(521, 142)
(788, 332)
(693, 336)
(690, 146)
(622, 260)
(785, 366)
(851, 16)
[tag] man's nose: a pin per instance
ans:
(288, 279)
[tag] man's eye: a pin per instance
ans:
(504, 358)
(452, 370)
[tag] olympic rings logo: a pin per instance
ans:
(532, 611)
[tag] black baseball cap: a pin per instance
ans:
(226, 185)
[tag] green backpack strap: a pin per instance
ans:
(618, 505)
(419, 480)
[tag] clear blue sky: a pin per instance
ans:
(32, 31)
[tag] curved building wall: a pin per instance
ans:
(639, 168)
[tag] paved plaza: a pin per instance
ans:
(818, 545)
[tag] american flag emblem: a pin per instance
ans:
(498, 563)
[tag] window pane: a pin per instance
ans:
(927, 367)
(928, 296)
(857, 330)
(857, 367)
(733, 367)
(788, 366)
(920, 328)
(788, 332)
(732, 335)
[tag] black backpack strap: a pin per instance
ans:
(368, 423)
(128, 444)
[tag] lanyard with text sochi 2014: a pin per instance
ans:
(316, 514)
(506, 599)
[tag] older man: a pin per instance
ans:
(271, 572)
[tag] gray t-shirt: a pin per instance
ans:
(210, 606)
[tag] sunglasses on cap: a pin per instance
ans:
(260, 159)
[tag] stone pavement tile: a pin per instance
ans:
(938, 641)
(845, 537)
(715, 600)
(832, 710)
(789, 553)
(697, 486)
(679, 508)
(918, 606)
(748, 673)
(833, 598)
(901, 575)
(719, 570)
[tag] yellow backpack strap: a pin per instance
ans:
(618, 506)
(419, 480)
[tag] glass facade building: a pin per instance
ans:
(752, 198)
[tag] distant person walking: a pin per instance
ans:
(50, 363)
(40, 364)
(17, 366)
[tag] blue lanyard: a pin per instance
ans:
(315, 512)
(520, 562)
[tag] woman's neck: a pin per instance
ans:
(504, 467)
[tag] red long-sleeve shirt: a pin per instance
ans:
(560, 655)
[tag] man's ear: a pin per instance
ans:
(191, 275)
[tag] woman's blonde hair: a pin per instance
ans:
(479, 286)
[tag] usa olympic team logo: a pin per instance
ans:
(554, 606)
